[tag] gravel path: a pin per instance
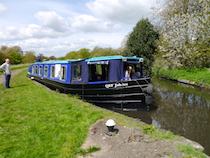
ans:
(14, 73)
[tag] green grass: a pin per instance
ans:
(190, 151)
(15, 67)
(156, 134)
(37, 122)
(199, 76)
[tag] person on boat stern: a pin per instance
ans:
(128, 73)
(7, 72)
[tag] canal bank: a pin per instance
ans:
(188, 82)
(181, 108)
(195, 76)
(131, 142)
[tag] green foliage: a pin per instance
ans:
(61, 58)
(87, 151)
(97, 51)
(198, 75)
(36, 122)
(149, 129)
(84, 53)
(72, 55)
(156, 134)
(184, 27)
(13, 53)
(141, 43)
(29, 57)
(3, 56)
(16, 58)
(190, 151)
(3, 48)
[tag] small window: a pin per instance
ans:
(77, 73)
(33, 70)
(63, 72)
(98, 72)
(36, 70)
(45, 70)
(40, 70)
(52, 71)
(133, 69)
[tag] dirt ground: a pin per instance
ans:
(128, 142)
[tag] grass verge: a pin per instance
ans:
(190, 151)
(37, 122)
(199, 76)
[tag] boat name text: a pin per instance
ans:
(116, 85)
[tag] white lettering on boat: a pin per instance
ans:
(116, 85)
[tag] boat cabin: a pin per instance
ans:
(89, 71)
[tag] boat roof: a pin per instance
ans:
(58, 61)
(111, 58)
(88, 59)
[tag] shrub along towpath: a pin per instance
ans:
(38, 122)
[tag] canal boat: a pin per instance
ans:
(110, 81)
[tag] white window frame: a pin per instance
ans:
(36, 70)
(63, 73)
(46, 70)
(76, 75)
(52, 71)
(40, 70)
(33, 70)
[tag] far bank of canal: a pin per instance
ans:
(182, 109)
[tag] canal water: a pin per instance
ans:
(182, 109)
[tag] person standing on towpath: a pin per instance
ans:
(7, 72)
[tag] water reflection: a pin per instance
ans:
(184, 110)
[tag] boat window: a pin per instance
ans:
(33, 70)
(63, 72)
(40, 70)
(98, 72)
(52, 71)
(77, 73)
(45, 70)
(36, 70)
(132, 71)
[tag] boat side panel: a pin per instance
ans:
(49, 77)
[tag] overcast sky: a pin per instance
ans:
(56, 27)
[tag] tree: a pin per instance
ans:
(16, 58)
(72, 55)
(16, 49)
(52, 58)
(3, 56)
(84, 53)
(98, 51)
(3, 48)
(141, 43)
(184, 27)
(29, 57)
